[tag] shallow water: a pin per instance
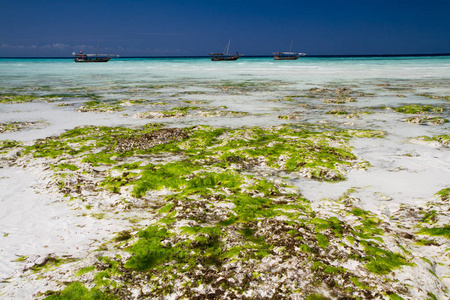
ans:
(66, 73)
(257, 83)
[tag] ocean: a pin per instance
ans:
(250, 85)
(134, 71)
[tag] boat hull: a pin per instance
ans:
(287, 55)
(77, 60)
(223, 57)
(228, 58)
(286, 58)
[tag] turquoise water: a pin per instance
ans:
(255, 88)
(129, 71)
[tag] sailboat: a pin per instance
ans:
(225, 55)
(81, 57)
(287, 55)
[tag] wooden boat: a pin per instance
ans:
(225, 55)
(287, 55)
(82, 58)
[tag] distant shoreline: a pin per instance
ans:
(244, 56)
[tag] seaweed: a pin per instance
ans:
(77, 290)
(437, 231)
(419, 109)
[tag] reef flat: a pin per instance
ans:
(233, 189)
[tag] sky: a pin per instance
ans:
(50, 28)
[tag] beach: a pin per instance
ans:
(182, 178)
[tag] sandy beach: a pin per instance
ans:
(184, 179)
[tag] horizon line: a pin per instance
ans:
(242, 56)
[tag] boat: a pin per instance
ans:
(84, 58)
(287, 55)
(225, 55)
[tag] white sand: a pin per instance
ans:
(36, 226)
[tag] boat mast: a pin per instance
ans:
(96, 51)
(290, 49)
(227, 48)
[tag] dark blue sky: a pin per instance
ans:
(183, 28)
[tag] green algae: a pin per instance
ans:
(50, 263)
(97, 106)
(435, 96)
(426, 119)
(64, 166)
(214, 166)
(85, 270)
(332, 223)
(148, 251)
(357, 281)
(14, 98)
(422, 242)
(204, 246)
(77, 290)
(437, 231)
(337, 111)
(368, 228)
(316, 297)
(430, 217)
(394, 296)
(6, 145)
(443, 139)
(418, 109)
(21, 258)
(240, 87)
(443, 194)
(381, 261)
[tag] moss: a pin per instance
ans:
(77, 290)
